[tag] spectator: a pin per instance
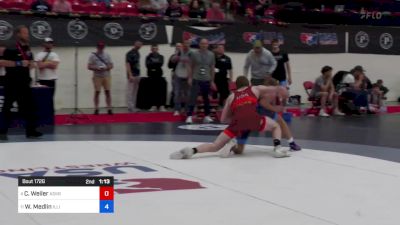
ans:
(260, 7)
(197, 9)
(180, 76)
(223, 69)
(215, 13)
(101, 64)
(17, 88)
(325, 91)
(174, 10)
(153, 6)
(262, 64)
(362, 81)
(133, 74)
(47, 62)
(41, 6)
(282, 73)
(375, 101)
(201, 79)
(62, 6)
(383, 89)
(231, 8)
(154, 63)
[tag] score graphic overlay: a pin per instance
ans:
(65, 195)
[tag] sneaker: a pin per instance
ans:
(185, 153)
(280, 152)
(96, 112)
(189, 119)
(110, 112)
(33, 134)
(153, 109)
(132, 110)
(294, 147)
(338, 113)
(176, 113)
(162, 109)
(322, 113)
(225, 151)
(207, 119)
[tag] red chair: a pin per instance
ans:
(315, 101)
(19, 5)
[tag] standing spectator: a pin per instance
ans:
(101, 64)
(215, 13)
(223, 69)
(47, 62)
(41, 6)
(154, 63)
(201, 79)
(133, 72)
(2, 67)
(383, 89)
(262, 64)
(325, 91)
(197, 9)
(282, 72)
(174, 10)
(18, 84)
(62, 6)
(180, 77)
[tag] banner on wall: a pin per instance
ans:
(83, 32)
(294, 39)
(374, 40)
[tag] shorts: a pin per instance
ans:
(232, 132)
(102, 82)
(242, 139)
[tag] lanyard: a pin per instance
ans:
(23, 54)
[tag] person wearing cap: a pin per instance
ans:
(101, 64)
(47, 63)
(324, 90)
(261, 62)
(362, 81)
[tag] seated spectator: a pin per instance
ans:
(215, 13)
(197, 9)
(62, 6)
(230, 8)
(153, 6)
(324, 89)
(260, 7)
(174, 10)
(383, 89)
(41, 6)
(362, 81)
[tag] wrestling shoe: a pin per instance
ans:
(280, 152)
(294, 147)
(185, 153)
(189, 120)
(225, 151)
(207, 119)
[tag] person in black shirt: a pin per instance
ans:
(174, 10)
(282, 72)
(18, 84)
(133, 73)
(154, 63)
(197, 9)
(223, 68)
(41, 6)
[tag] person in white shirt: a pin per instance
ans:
(47, 63)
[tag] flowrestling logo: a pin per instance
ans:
(6, 30)
(40, 29)
(128, 177)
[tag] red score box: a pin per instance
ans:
(106, 193)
